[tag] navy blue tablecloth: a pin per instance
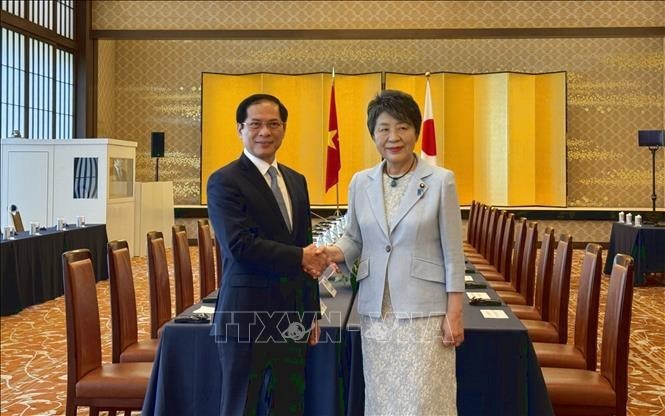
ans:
(31, 265)
(497, 370)
(646, 244)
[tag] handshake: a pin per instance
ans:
(317, 259)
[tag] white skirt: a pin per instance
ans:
(407, 369)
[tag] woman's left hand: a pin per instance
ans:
(452, 325)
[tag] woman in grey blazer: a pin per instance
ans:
(404, 229)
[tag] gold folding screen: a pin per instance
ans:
(503, 134)
(307, 98)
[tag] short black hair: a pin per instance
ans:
(241, 112)
(398, 104)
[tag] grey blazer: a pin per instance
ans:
(421, 255)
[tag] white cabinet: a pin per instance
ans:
(51, 179)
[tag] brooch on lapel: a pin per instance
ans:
(421, 189)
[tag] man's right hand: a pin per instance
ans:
(313, 262)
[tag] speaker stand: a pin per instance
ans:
(653, 177)
(157, 170)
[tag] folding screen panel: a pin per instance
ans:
(503, 134)
(307, 98)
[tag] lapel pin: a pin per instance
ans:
(421, 189)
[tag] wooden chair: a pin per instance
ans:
(514, 276)
(160, 290)
(480, 230)
(474, 225)
(555, 329)
(470, 225)
(17, 221)
(120, 386)
(539, 311)
(479, 218)
(487, 240)
(502, 272)
(582, 353)
(494, 262)
(585, 392)
(528, 273)
(182, 269)
(126, 346)
(206, 258)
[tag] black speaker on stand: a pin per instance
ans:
(157, 149)
(654, 140)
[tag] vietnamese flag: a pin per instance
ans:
(428, 152)
(333, 162)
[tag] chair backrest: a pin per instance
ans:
(495, 258)
(528, 266)
(84, 346)
(182, 269)
(586, 314)
(482, 228)
(470, 225)
(480, 214)
(515, 275)
(616, 329)
(158, 275)
(507, 241)
(560, 287)
(491, 231)
(544, 274)
(17, 221)
(124, 326)
(206, 258)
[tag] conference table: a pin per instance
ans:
(31, 265)
(646, 244)
(497, 369)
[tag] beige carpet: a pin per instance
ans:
(34, 350)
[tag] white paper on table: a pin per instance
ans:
(208, 310)
(323, 307)
(329, 287)
(468, 278)
(493, 314)
(479, 295)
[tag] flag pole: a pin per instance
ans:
(337, 212)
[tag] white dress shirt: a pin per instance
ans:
(263, 167)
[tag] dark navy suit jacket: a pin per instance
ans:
(264, 289)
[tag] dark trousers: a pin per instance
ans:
(262, 378)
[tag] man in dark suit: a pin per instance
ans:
(268, 304)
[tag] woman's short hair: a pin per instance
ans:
(241, 111)
(398, 104)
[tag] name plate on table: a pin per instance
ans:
(468, 278)
(493, 314)
(477, 295)
(205, 309)
(329, 287)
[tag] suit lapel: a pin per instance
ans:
(415, 190)
(375, 197)
(253, 175)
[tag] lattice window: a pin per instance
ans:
(37, 88)
(64, 95)
(12, 88)
(16, 7)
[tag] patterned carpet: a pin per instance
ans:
(34, 354)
